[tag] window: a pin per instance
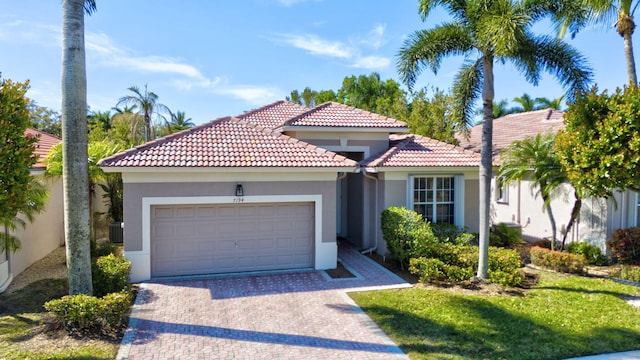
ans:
(502, 191)
(433, 197)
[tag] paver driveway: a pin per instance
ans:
(297, 315)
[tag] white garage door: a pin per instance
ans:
(207, 239)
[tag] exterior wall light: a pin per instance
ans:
(239, 190)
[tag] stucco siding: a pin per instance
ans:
(135, 192)
(471, 206)
(524, 206)
(45, 234)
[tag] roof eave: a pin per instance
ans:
(176, 169)
(344, 129)
(377, 169)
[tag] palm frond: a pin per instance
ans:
(427, 48)
(565, 63)
(467, 87)
(9, 242)
(454, 7)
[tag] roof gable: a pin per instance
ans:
(420, 151)
(512, 127)
(228, 143)
(335, 115)
(43, 146)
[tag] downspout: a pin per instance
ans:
(519, 215)
(375, 209)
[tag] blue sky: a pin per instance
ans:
(223, 57)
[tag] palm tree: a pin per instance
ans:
(74, 140)
(535, 159)
(96, 151)
(546, 103)
(147, 103)
(526, 102)
(500, 109)
(574, 15)
(492, 30)
(180, 121)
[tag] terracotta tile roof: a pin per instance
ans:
(333, 114)
(45, 143)
(420, 151)
(273, 115)
(512, 127)
(225, 143)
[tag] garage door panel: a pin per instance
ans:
(202, 239)
(185, 212)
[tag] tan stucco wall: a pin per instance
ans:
(45, 234)
(134, 192)
(471, 205)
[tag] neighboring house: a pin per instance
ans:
(519, 204)
(273, 188)
(46, 233)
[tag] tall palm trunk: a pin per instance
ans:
(625, 27)
(631, 63)
(575, 212)
(74, 139)
(486, 157)
(552, 220)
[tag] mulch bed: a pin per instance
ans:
(340, 272)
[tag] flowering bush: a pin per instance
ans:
(558, 261)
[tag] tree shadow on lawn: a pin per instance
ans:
(30, 298)
(493, 333)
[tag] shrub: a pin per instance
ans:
(625, 245)
(627, 272)
(558, 261)
(503, 235)
(504, 267)
(446, 232)
(591, 253)
(428, 269)
(110, 274)
(406, 234)
(84, 312)
(104, 249)
(456, 263)
(543, 243)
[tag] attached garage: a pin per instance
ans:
(223, 238)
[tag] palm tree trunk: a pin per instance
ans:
(575, 212)
(631, 63)
(74, 139)
(486, 157)
(552, 220)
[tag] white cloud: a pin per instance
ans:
(110, 54)
(375, 37)
(255, 95)
(318, 46)
(371, 62)
(350, 51)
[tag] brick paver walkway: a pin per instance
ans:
(296, 315)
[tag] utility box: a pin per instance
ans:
(116, 233)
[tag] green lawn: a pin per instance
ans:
(563, 316)
(21, 317)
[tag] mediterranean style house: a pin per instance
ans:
(274, 187)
